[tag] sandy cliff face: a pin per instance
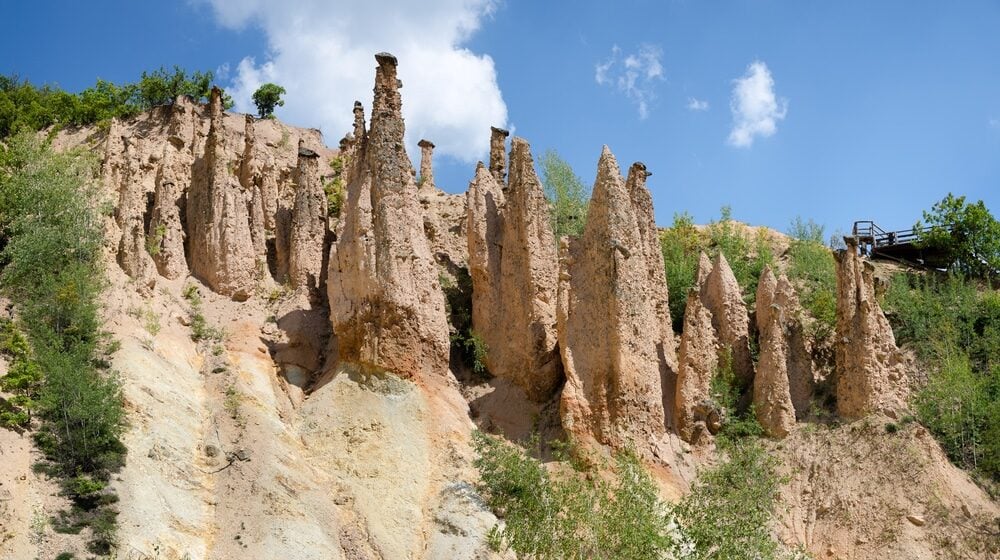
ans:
(331, 427)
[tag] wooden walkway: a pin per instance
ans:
(896, 245)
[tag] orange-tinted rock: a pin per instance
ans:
(870, 369)
(386, 305)
(608, 328)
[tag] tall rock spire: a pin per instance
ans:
(386, 305)
(608, 327)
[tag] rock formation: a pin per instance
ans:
(221, 247)
(386, 305)
(608, 328)
(721, 294)
(776, 310)
(698, 362)
(124, 169)
(166, 233)
(666, 344)
(444, 220)
(870, 370)
(426, 164)
(307, 242)
(498, 162)
(514, 266)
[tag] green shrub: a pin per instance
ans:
(51, 268)
(267, 98)
(334, 189)
(681, 245)
(747, 254)
(812, 268)
(728, 512)
(574, 514)
(955, 329)
(966, 233)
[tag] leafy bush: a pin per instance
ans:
(575, 514)
(567, 196)
(955, 330)
(682, 244)
(728, 512)
(814, 271)
(52, 239)
(334, 189)
(26, 107)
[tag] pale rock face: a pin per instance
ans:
(514, 273)
(308, 235)
(777, 308)
(124, 170)
(608, 328)
(445, 219)
(166, 229)
(666, 343)
(870, 369)
(221, 246)
(699, 359)
(386, 304)
(721, 294)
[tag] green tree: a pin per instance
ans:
(568, 198)
(967, 233)
(267, 97)
(681, 244)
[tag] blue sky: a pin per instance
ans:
(878, 109)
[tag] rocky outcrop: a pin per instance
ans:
(721, 294)
(166, 235)
(870, 369)
(656, 295)
(514, 268)
(498, 160)
(426, 164)
(307, 242)
(386, 305)
(221, 246)
(698, 362)
(608, 329)
(125, 169)
(777, 307)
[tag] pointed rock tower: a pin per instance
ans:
(386, 304)
(514, 267)
(870, 370)
(608, 327)
(698, 362)
(218, 216)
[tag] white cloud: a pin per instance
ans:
(697, 104)
(635, 75)
(322, 53)
(756, 109)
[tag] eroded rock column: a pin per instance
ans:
(221, 245)
(870, 370)
(386, 305)
(514, 268)
(307, 241)
(695, 414)
(498, 158)
(721, 294)
(608, 328)
(776, 309)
